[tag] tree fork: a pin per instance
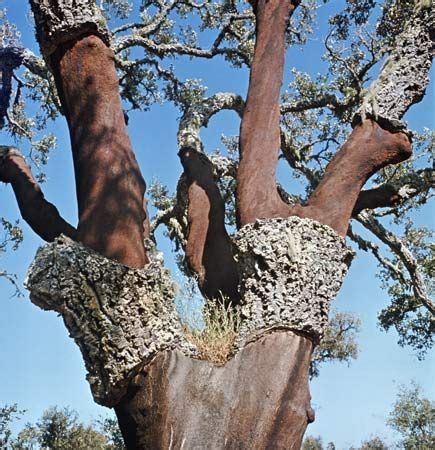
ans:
(379, 137)
(110, 187)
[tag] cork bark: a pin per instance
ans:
(404, 76)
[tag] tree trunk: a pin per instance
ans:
(140, 362)
(258, 400)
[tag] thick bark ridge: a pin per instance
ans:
(125, 324)
(119, 317)
(110, 187)
(258, 400)
(257, 195)
(291, 270)
(41, 215)
(61, 21)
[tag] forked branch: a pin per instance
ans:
(379, 137)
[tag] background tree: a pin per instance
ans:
(413, 417)
(96, 122)
(59, 429)
(8, 414)
(375, 443)
(312, 443)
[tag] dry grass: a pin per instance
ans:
(215, 339)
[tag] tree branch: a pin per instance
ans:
(405, 74)
(257, 195)
(208, 247)
(327, 100)
(401, 83)
(334, 199)
(404, 254)
(390, 195)
(110, 188)
(41, 215)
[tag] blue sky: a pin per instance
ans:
(41, 366)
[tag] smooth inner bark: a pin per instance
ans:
(208, 247)
(257, 195)
(258, 400)
(110, 187)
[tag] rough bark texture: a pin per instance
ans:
(257, 195)
(119, 317)
(368, 149)
(291, 269)
(110, 187)
(41, 215)
(138, 360)
(405, 75)
(258, 400)
(62, 21)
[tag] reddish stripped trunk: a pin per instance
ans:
(208, 247)
(367, 150)
(110, 187)
(258, 400)
(257, 195)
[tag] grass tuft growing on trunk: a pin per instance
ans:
(215, 338)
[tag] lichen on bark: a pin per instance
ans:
(291, 269)
(120, 317)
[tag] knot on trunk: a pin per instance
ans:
(120, 317)
(291, 269)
